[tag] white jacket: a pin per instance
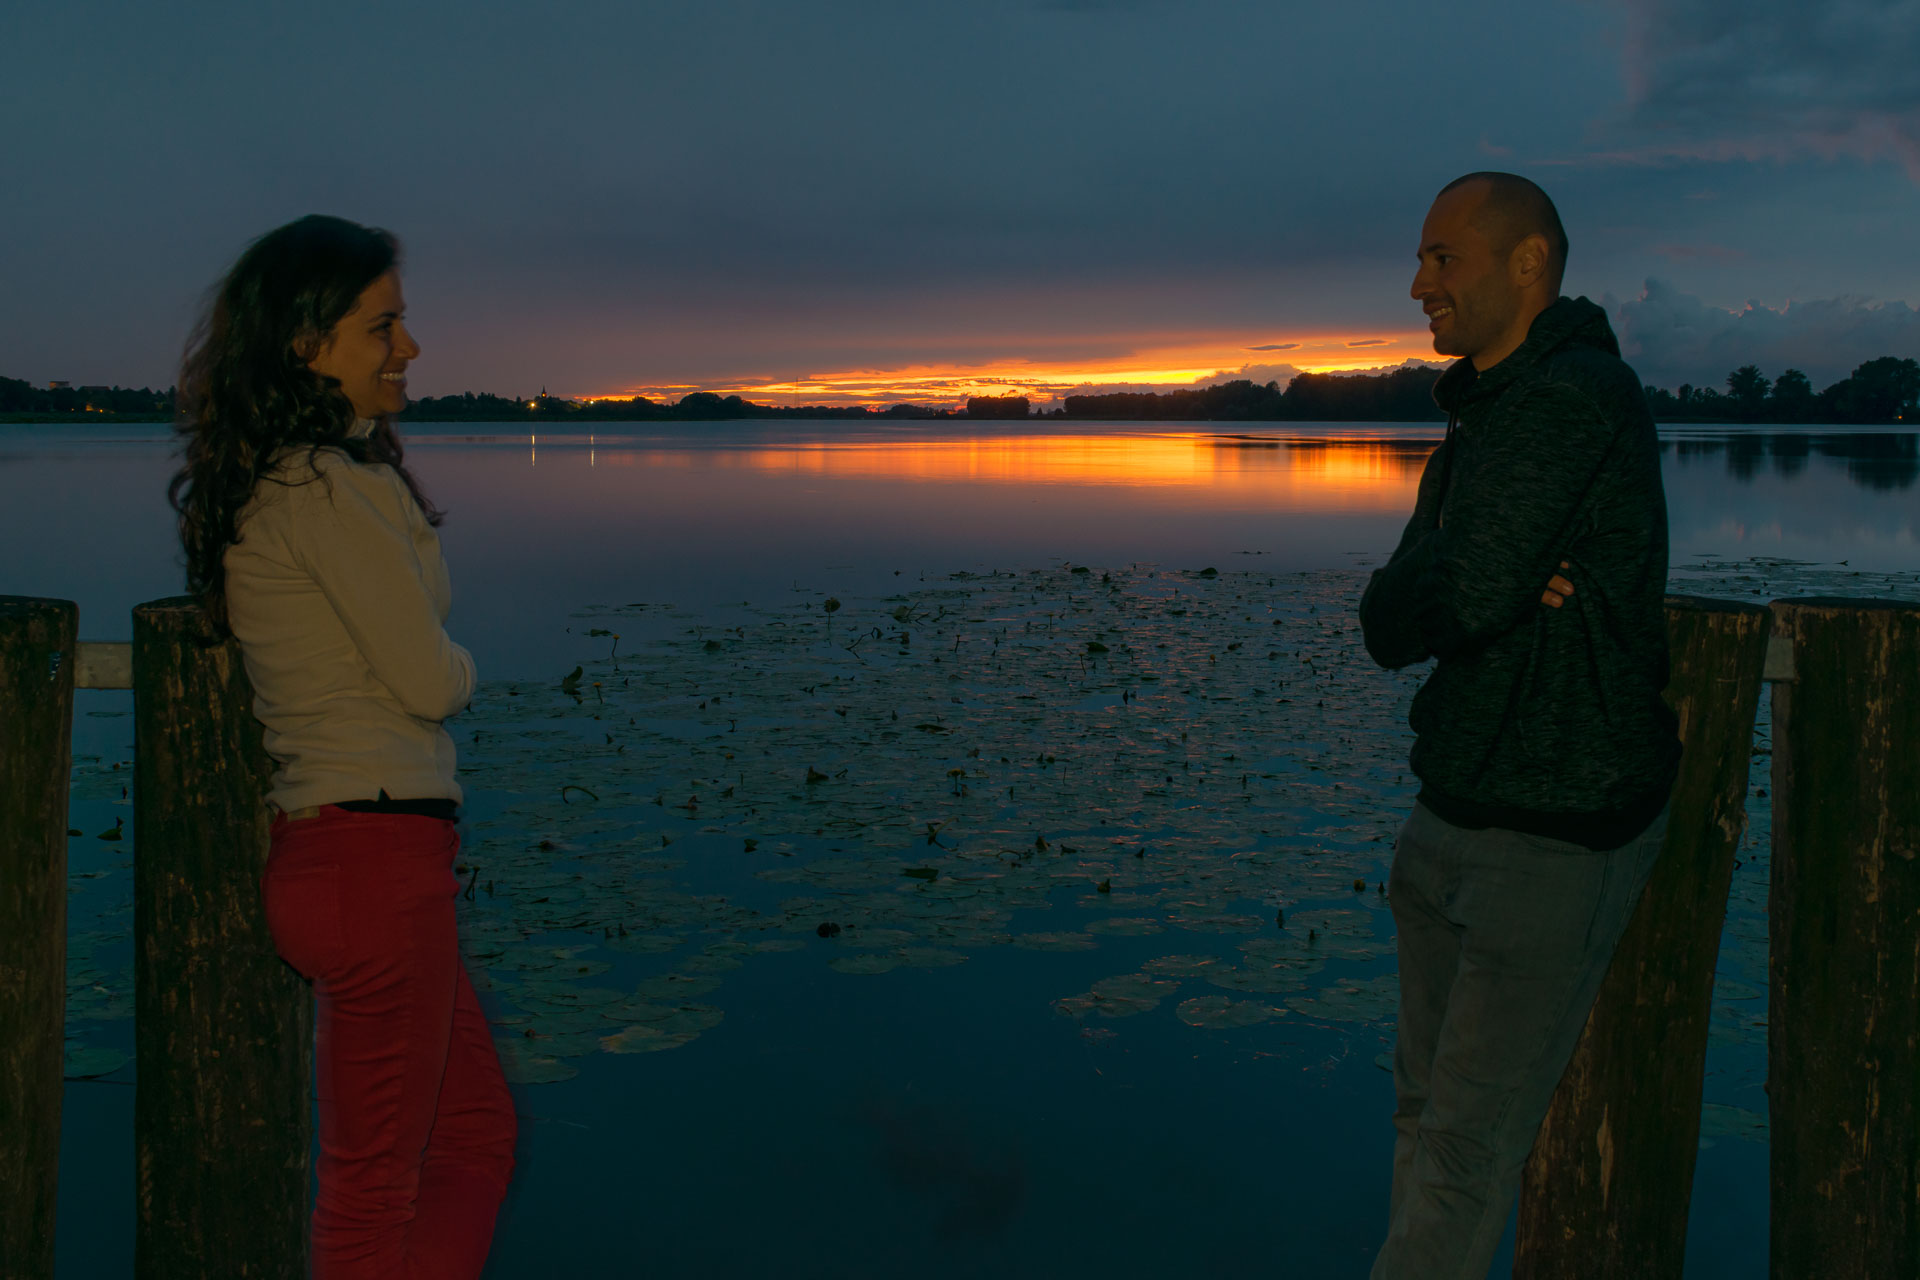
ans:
(337, 592)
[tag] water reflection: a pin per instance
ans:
(1312, 474)
(1882, 460)
(702, 514)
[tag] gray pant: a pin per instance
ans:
(1504, 940)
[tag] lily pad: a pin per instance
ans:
(1127, 926)
(524, 1065)
(1055, 942)
(1182, 966)
(646, 1038)
(1372, 1000)
(1214, 1012)
(1266, 979)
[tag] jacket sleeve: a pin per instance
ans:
(1387, 612)
(349, 533)
(1480, 572)
(1387, 620)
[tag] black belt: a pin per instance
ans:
(431, 807)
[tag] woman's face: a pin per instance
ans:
(369, 349)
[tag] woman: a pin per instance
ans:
(308, 538)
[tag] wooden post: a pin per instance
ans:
(222, 1119)
(1606, 1190)
(1843, 1032)
(36, 760)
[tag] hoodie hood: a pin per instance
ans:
(1569, 322)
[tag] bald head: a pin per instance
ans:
(1512, 209)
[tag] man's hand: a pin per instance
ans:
(1558, 589)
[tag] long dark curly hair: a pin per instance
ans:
(246, 392)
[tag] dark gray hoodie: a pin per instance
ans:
(1536, 719)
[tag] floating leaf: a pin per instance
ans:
(523, 1065)
(1181, 966)
(930, 957)
(1353, 1000)
(1127, 926)
(1222, 1011)
(646, 1039)
(1216, 923)
(1055, 942)
(1266, 979)
(1119, 997)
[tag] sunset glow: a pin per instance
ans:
(1241, 472)
(1258, 357)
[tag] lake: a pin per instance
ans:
(1056, 1029)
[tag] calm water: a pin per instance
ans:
(539, 526)
(946, 1118)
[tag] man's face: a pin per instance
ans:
(1463, 283)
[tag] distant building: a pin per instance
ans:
(59, 384)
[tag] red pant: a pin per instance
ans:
(416, 1125)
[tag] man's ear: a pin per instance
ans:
(1528, 262)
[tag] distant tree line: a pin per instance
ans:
(1886, 390)
(1880, 391)
(1402, 395)
(699, 406)
(23, 400)
(998, 406)
(1883, 390)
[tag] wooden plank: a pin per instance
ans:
(36, 761)
(1843, 1033)
(1606, 1190)
(222, 1120)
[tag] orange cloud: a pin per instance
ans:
(1216, 358)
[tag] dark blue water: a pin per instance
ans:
(926, 1121)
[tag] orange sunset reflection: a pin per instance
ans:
(1237, 470)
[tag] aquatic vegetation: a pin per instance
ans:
(1222, 1011)
(1199, 770)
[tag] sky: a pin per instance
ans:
(872, 200)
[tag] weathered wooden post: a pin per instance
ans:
(222, 1118)
(1606, 1190)
(36, 736)
(1843, 1030)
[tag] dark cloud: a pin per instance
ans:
(1754, 79)
(1369, 342)
(604, 194)
(1671, 337)
(1276, 346)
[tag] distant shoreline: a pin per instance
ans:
(958, 419)
(1885, 392)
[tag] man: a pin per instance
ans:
(1533, 569)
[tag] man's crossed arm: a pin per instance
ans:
(1473, 568)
